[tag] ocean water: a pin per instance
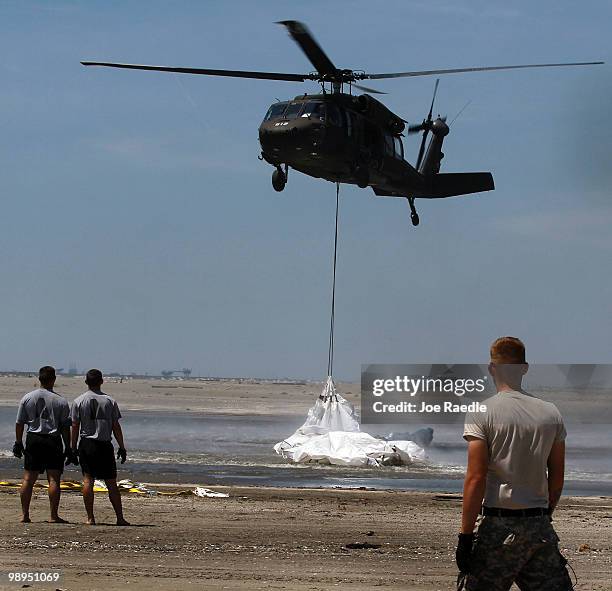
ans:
(233, 450)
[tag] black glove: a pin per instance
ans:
(463, 555)
(122, 454)
(72, 457)
(18, 449)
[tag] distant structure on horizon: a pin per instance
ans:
(72, 370)
(168, 373)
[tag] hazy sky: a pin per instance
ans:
(139, 232)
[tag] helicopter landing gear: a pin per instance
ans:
(414, 216)
(279, 179)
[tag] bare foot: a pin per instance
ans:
(57, 520)
(91, 521)
(121, 521)
(25, 519)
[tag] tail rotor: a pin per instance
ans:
(426, 126)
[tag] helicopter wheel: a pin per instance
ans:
(279, 179)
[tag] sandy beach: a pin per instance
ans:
(264, 538)
(260, 537)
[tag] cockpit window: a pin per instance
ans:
(314, 109)
(293, 110)
(275, 111)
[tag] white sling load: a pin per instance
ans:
(331, 435)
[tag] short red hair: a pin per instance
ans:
(508, 351)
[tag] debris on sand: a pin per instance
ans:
(361, 546)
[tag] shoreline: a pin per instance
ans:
(15, 482)
(311, 478)
(221, 412)
(569, 501)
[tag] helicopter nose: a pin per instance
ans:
(283, 129)
(289, 135)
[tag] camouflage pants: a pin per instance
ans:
(521, 550)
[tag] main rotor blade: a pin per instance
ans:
(303, 37)
(207, 72)
(366, 89)
(484, 69)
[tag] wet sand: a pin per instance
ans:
(265, 538)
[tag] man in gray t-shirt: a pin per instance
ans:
(520, 431)
(95, 419)
(96, 414)
(514, 479)
(44, 416)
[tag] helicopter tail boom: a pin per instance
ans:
(456, 183)
(441, 185)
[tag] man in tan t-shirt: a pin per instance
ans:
(514, 479)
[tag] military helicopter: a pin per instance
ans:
(344, 138)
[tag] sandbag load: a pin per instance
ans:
(331, 434)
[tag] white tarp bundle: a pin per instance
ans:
(200, 491)
(331, 435)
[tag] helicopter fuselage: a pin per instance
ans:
(340, 138)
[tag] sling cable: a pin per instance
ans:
(330, 353)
